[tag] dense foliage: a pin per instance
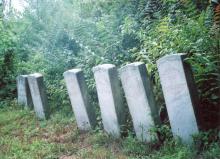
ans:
(7, 58)
(51, 37)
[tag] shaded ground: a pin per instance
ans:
(23, 136)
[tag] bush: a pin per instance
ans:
(7, 61)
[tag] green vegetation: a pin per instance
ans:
(23, 136)
(51, 37)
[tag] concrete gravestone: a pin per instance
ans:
(180, 96)
(140, 99)
(38, 93)
(77, 90)
(24, 95)
(110, 98)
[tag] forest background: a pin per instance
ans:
(51, 37)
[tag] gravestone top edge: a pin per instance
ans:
(36, 75)
(171, 57)
(130, 66)
(75, 71)
(21, 76)
(103, 67)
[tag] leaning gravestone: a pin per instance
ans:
(140, 99)
(77, 90)
(38, 93)
(110, 98)
(24, 95)
(180, 96)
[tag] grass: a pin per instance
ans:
(22, 136)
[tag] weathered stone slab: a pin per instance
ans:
(180, 96)
(24, 95)
(39, 97)
(110, 98)
(77, 90)
(140, 99)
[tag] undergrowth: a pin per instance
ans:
(23, 136)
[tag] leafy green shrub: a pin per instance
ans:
(7, 61)
(212, 152)
(134, 147)
(204, 140)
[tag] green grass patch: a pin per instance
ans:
(24, 136)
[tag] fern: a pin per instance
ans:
(216, 18)
(151, 8)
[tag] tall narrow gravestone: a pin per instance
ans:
(140, 99)
(24, 95)
(38, 93)
(180, 96)
(110, 98)
(77, 90)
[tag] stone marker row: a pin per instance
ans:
(177, 84)
(32, 92)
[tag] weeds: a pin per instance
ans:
(23, 136)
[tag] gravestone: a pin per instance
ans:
(39, 97)
(24, 95)
(110, 98)
(180, 96)
(139, 95)
(78, 93)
